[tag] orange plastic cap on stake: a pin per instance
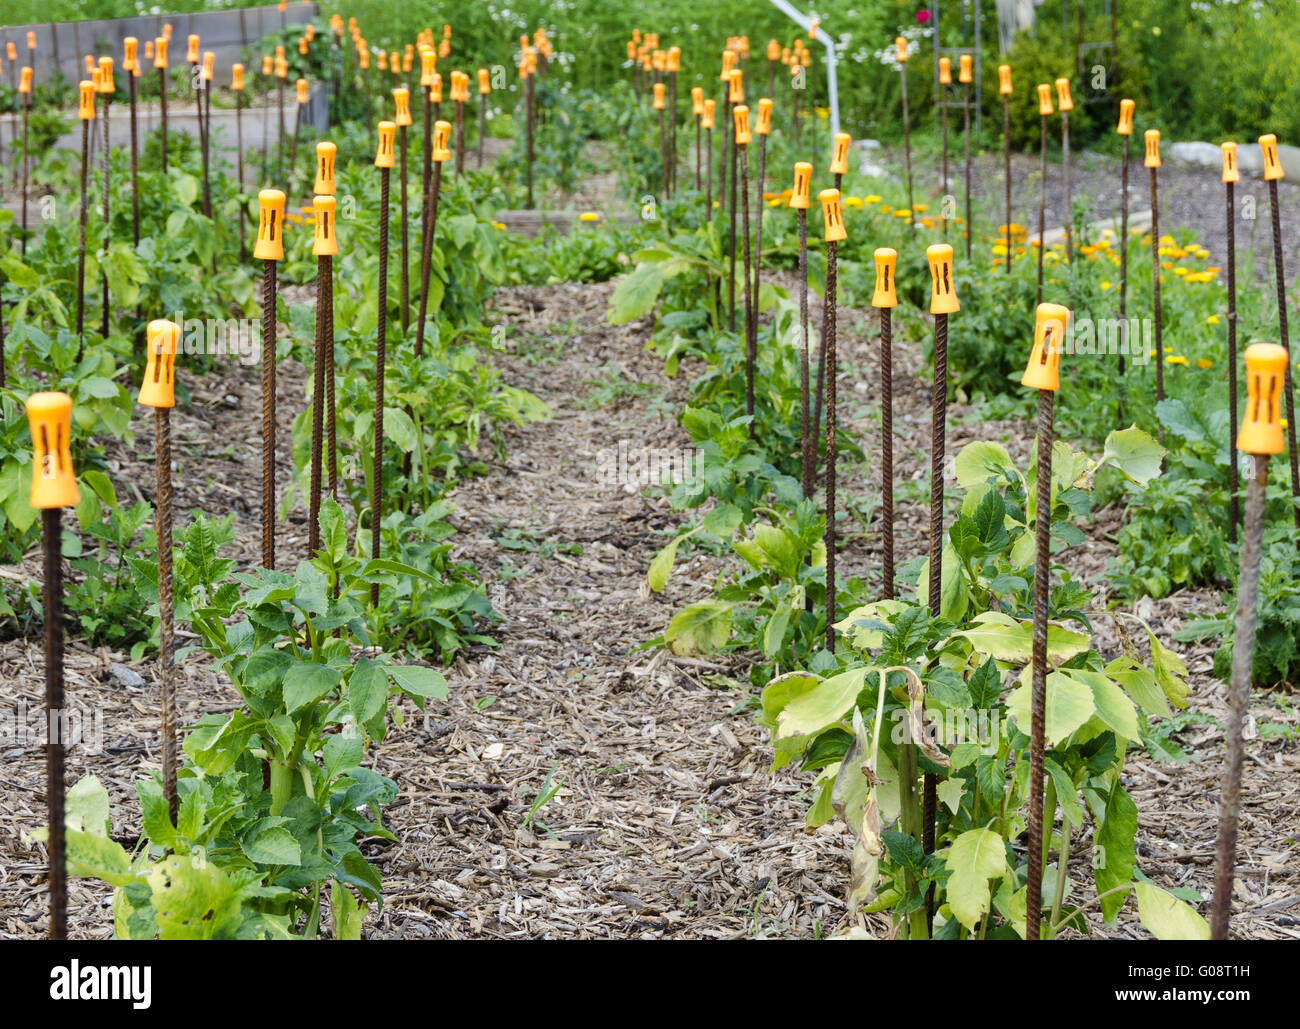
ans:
(325, 154)
(384, 157)
(302, 46)
(192, 48)
(326, 241)
(148, 49)
(943, 291)
(401, 101)
(11, 51)
(1045, 98)
(697, 101)
(270, 226)
(1261, 428)
(1125, 127)
(945, 71)
(840, 154)
(740, 115)
(801, 194)
(444, 48)
(773, 50)
(130, 48)
(54, 483)
(86, 107)
(964, 69)
(764, 124)
(736, 89)
(1230, 171)
(832, 215)
(1044, 368)
(428, 65)
(706, 119)
(266, 65)
(900, 49)
(728, 63)
(1004, 79)
(106, 84)
(658, 102)
(25, 82)
(1272, 163)
(1063, 99)
(886, 294)
(281, 68)
(484, 82)
(31, 41)
(441, 141)
(159, 386)
(1152, 158)
(435, 90)
(90, 65)
(303, 94)
(237, 77)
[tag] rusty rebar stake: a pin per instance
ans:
(1155, 294)
(965, 89)
(1234, 502)
(1243, 654)
(331, 432)
(1065, 181)
(426, 255)
(81, 244)
(805, 437)
(1042, 203)
(758, 231)
(907, 146)
(239, 157)
(279, 151)
(318, 403)
(205, 137)
(51, 524)
(751, 329)
(460, 137)
(406, 253)
(135, 163)
(731, 217)
(103, 277)
(699, 181)
(708, 173)
(27, 106)
(166, 636)
(1284, 338)
(1038, 715)
(722, 153)
(162, 102)
(828, 349)
(1123, 274)
(887, 449)
(1006, 174)
(268, 413)
(482, 125)
(943, 180)
(528, 119)
(377, 484)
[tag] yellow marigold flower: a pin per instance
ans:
(1167, 241)
(885, 208)
(1105, 284)
(1212, 320)
(1166, 265)
(1183, 272)
(498, 225)
(873, 199)
(1000, 249)
(589, 216)
(823, 112)
(902, 212)
(1175, 359)
(854, 202)
(1151, 353)
(928, 222)
(920, 207)
(1204, 363)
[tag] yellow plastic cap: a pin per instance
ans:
(25, 82)
(832, 215)
(943, 291)
(840, 154)
(773, 50)
(706, 119)
(441, 136)
(159, 386)
(728, 63)
(428, 65)
(325, 154)
(384, 157)
(900, 49)
(160, 52)
(266, 64)
(945, 71)
(658, 102)
(1004, 79)
(401, 101)
(1261, 428)
(886, 294)
(1125, 127)
(1272, 163)
(270, 226)
(736, 87)
(764, 124)
(302, 49)
(965, 68)
(31, 41)
(1044, 368)
(674, 59)
(326, 241)
(435, 90)
(484, 82)
(740, 114)
(130, 49)
(86, 106)
(54, 483)
(209, 60)
(1063, 99)
(303, 94)
(1230, 171)
(1152, 158)
(1044, 98)
(801, 194)
(192, 48)
(106, 84)
(697, 101)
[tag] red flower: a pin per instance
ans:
(923, 15)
